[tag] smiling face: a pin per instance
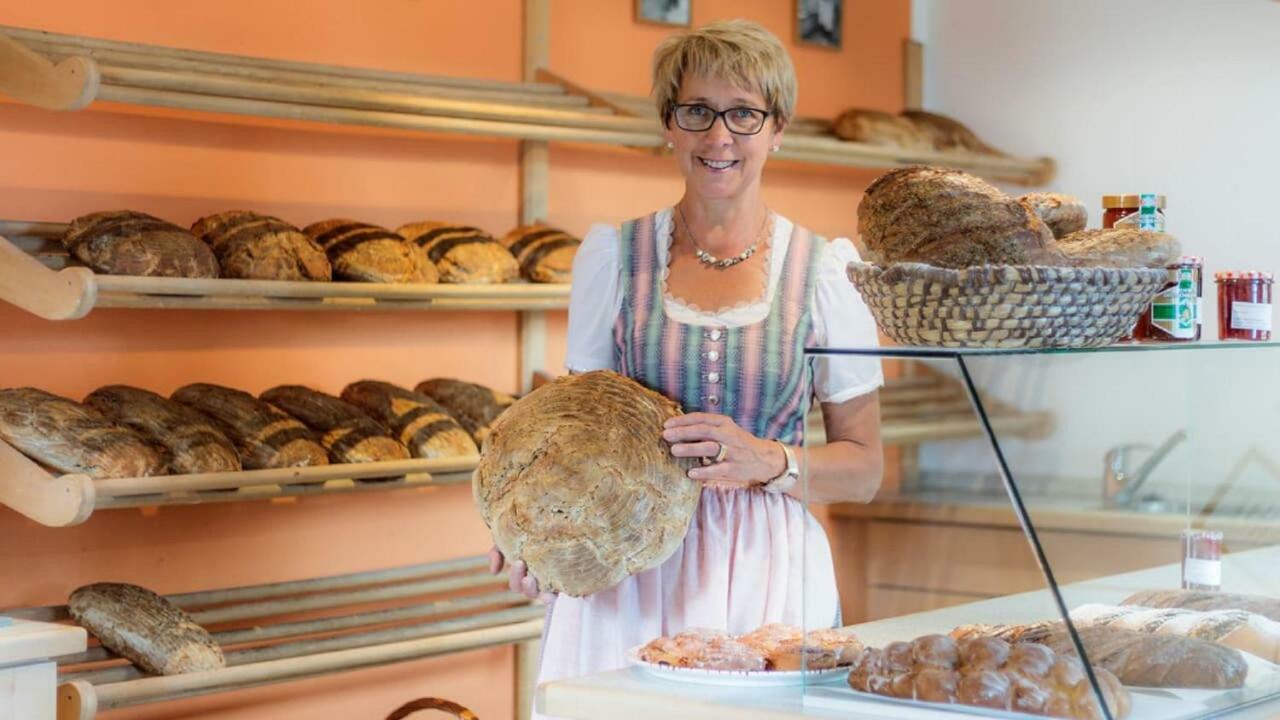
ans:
(718, 164)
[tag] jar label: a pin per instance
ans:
(1176, 310)
(1135, 221)
(1202, 572)
(1148, 217)
(1250, 316)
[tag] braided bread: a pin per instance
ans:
(987, 672)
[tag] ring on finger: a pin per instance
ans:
(721, 453)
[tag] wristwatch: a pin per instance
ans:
(790, 475)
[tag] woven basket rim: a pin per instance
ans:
(977, 275)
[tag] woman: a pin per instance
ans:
(712, 303)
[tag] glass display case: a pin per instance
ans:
(1137, 526)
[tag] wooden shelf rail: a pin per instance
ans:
(37, 275)
(457, 606)
(69, 499)
(69, 72)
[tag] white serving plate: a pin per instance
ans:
(735, 678)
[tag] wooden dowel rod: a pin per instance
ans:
(248, 478)
(225, 59)
(388, 635)
(333, 582)
(899, 396)
(123, 673)
(191, 600)
(271, 608)
(371, 118)
(266, 492)
(260, 633)
(366, 99)
(32, 229)
(542, 95)
(117, 300)
(290, 288)
(174, 686)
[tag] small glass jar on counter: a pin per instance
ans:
(1174, 314)
(1244, 305)
(1201, 559)
(1141, 212)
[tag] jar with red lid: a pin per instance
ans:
(1244, 305)
(1141, 212)
(1174, 314)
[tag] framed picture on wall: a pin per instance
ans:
(665, 12)
(818, 23)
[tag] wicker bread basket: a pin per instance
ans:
(1005, 306)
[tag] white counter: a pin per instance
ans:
(633, 695)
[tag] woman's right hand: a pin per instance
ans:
(518, 577)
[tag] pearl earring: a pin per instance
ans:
(773, 149)
(670, 145)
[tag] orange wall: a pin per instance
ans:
(181, 165)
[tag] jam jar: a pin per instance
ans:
(1244, 305)
(1141, 212)
(1174, 314)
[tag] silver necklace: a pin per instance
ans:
(707, 258)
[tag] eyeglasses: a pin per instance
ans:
(695, 117)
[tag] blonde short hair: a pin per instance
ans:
(736, 51)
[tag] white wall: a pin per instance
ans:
(1179, 97)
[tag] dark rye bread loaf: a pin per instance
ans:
(189, 442)
(258, 247)
(474, 406)
(545, 253)
(73, 438)
(462, 254)
(124, 242)
(417, 420)
(145, 628)
(368, 253)
(948, 218)
(345, 430)
(264, 436)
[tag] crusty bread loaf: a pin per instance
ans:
(1121, 248)
(350, 435)
(419, 422)
(949, 218)
(124, 242)
(73, 438)
(577, 481)
(147, 629)
(876, 127)
(1267, 607)
(258, 247)
(474, 406)
(1138, 659)
(264, 436)
(545, 253)
(463, 254)
(1242, 630)
(987, 672)
(947, 134)
(189, 441)
(368, 253)
(1062, 213)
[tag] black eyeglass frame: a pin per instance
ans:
(719, 115)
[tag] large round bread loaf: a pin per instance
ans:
(576, 480)
(949, 218)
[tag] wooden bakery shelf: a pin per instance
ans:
(290, 630)
(69, 499)
(71, 72)
(37, 275)
(932, 406)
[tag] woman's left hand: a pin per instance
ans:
(746, 460)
